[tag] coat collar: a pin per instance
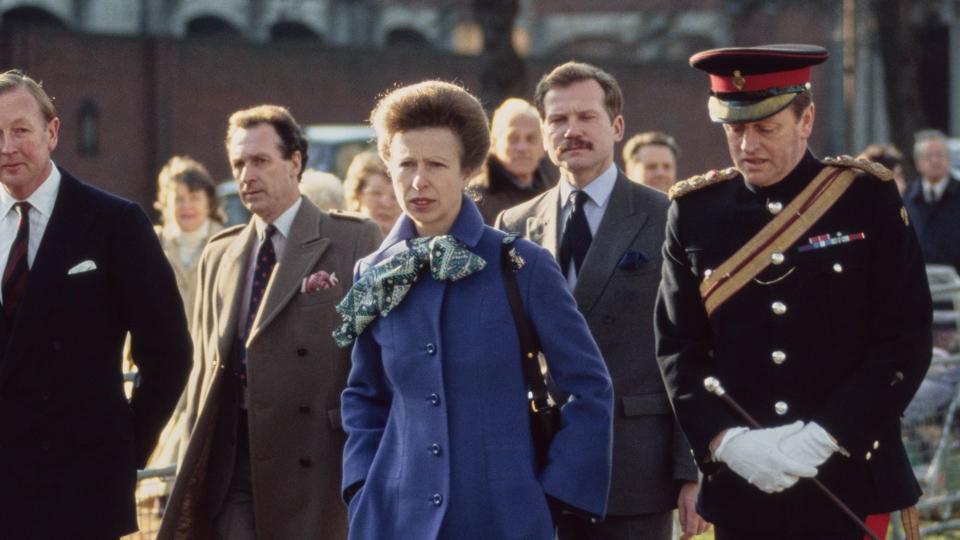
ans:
(305, 245)
(467, 228)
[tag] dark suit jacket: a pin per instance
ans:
(70, 442)
(937, 225)
(616, 293)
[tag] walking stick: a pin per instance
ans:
(712, 384)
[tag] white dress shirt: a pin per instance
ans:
(598, 195)
(935, 189)
(41, 203)
(279, 238)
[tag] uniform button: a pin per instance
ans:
(707, 273)
(876, 445)
(305, 462)
(57, 346)
(45, 395)
(779, 308)
(778, 357)
(777, 258)
(301, 352)
(774, 207)
(869, 456)
(436, 499)
(434, 400)
(781, 407)
(838, 268)
(434, 449)
(431, 349)
(304, 408)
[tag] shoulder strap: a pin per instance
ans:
(777, 236)
(529, 344)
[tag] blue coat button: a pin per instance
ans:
(431, 349)
(436, 499)
(434, 400)
(434, 449)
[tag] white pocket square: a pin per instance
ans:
(85, 266)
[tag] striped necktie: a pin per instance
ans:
(16, 272)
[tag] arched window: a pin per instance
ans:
(207, 26)
(31, 17)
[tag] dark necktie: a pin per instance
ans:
(266, 260)
(16, 273)
(576, 234)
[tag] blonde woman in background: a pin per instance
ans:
(189, 210)
(368, 190)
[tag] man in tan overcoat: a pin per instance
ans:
(264, 458)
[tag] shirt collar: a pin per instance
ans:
(937, 188)
(282, 223)
(599, 190)
(41, 200)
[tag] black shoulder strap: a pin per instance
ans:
(529, 344)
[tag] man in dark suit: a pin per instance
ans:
(82, 268)
(933, 201)
(265, 456)
(607, 232)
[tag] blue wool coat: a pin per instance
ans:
(436, 412)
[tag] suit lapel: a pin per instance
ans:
(303, 249)
(65, 233)
(621, 223)
(230, 285)
(542, 227)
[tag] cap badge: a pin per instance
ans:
(738, 81)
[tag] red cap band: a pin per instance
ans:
(755, 83)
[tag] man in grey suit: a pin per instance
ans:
(607, 233)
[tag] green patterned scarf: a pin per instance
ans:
(382, 287)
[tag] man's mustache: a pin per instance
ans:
(575, 144)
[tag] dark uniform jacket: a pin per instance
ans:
(848, 352)
(70, 441)
(495, 189)
(938, 224)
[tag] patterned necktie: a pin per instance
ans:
(383, 287)
(16, 273)
(576, 234)
(266, 260)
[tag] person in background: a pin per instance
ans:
(933, 201)
(650, 158)
(439, 444)
(82, 270)
(263, 460)
(189, 216)
(512, 172)
(890, 157)
(323, 189)
(368, 191)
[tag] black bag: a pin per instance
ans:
(544, 411)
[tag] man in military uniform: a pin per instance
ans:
(799, 284)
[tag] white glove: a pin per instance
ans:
(755, 455)
(811, 446)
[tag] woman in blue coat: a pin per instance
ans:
(435, 409)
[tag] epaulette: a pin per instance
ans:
(346, 214)
(875, 169)
(701, 181)
(229, 231)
